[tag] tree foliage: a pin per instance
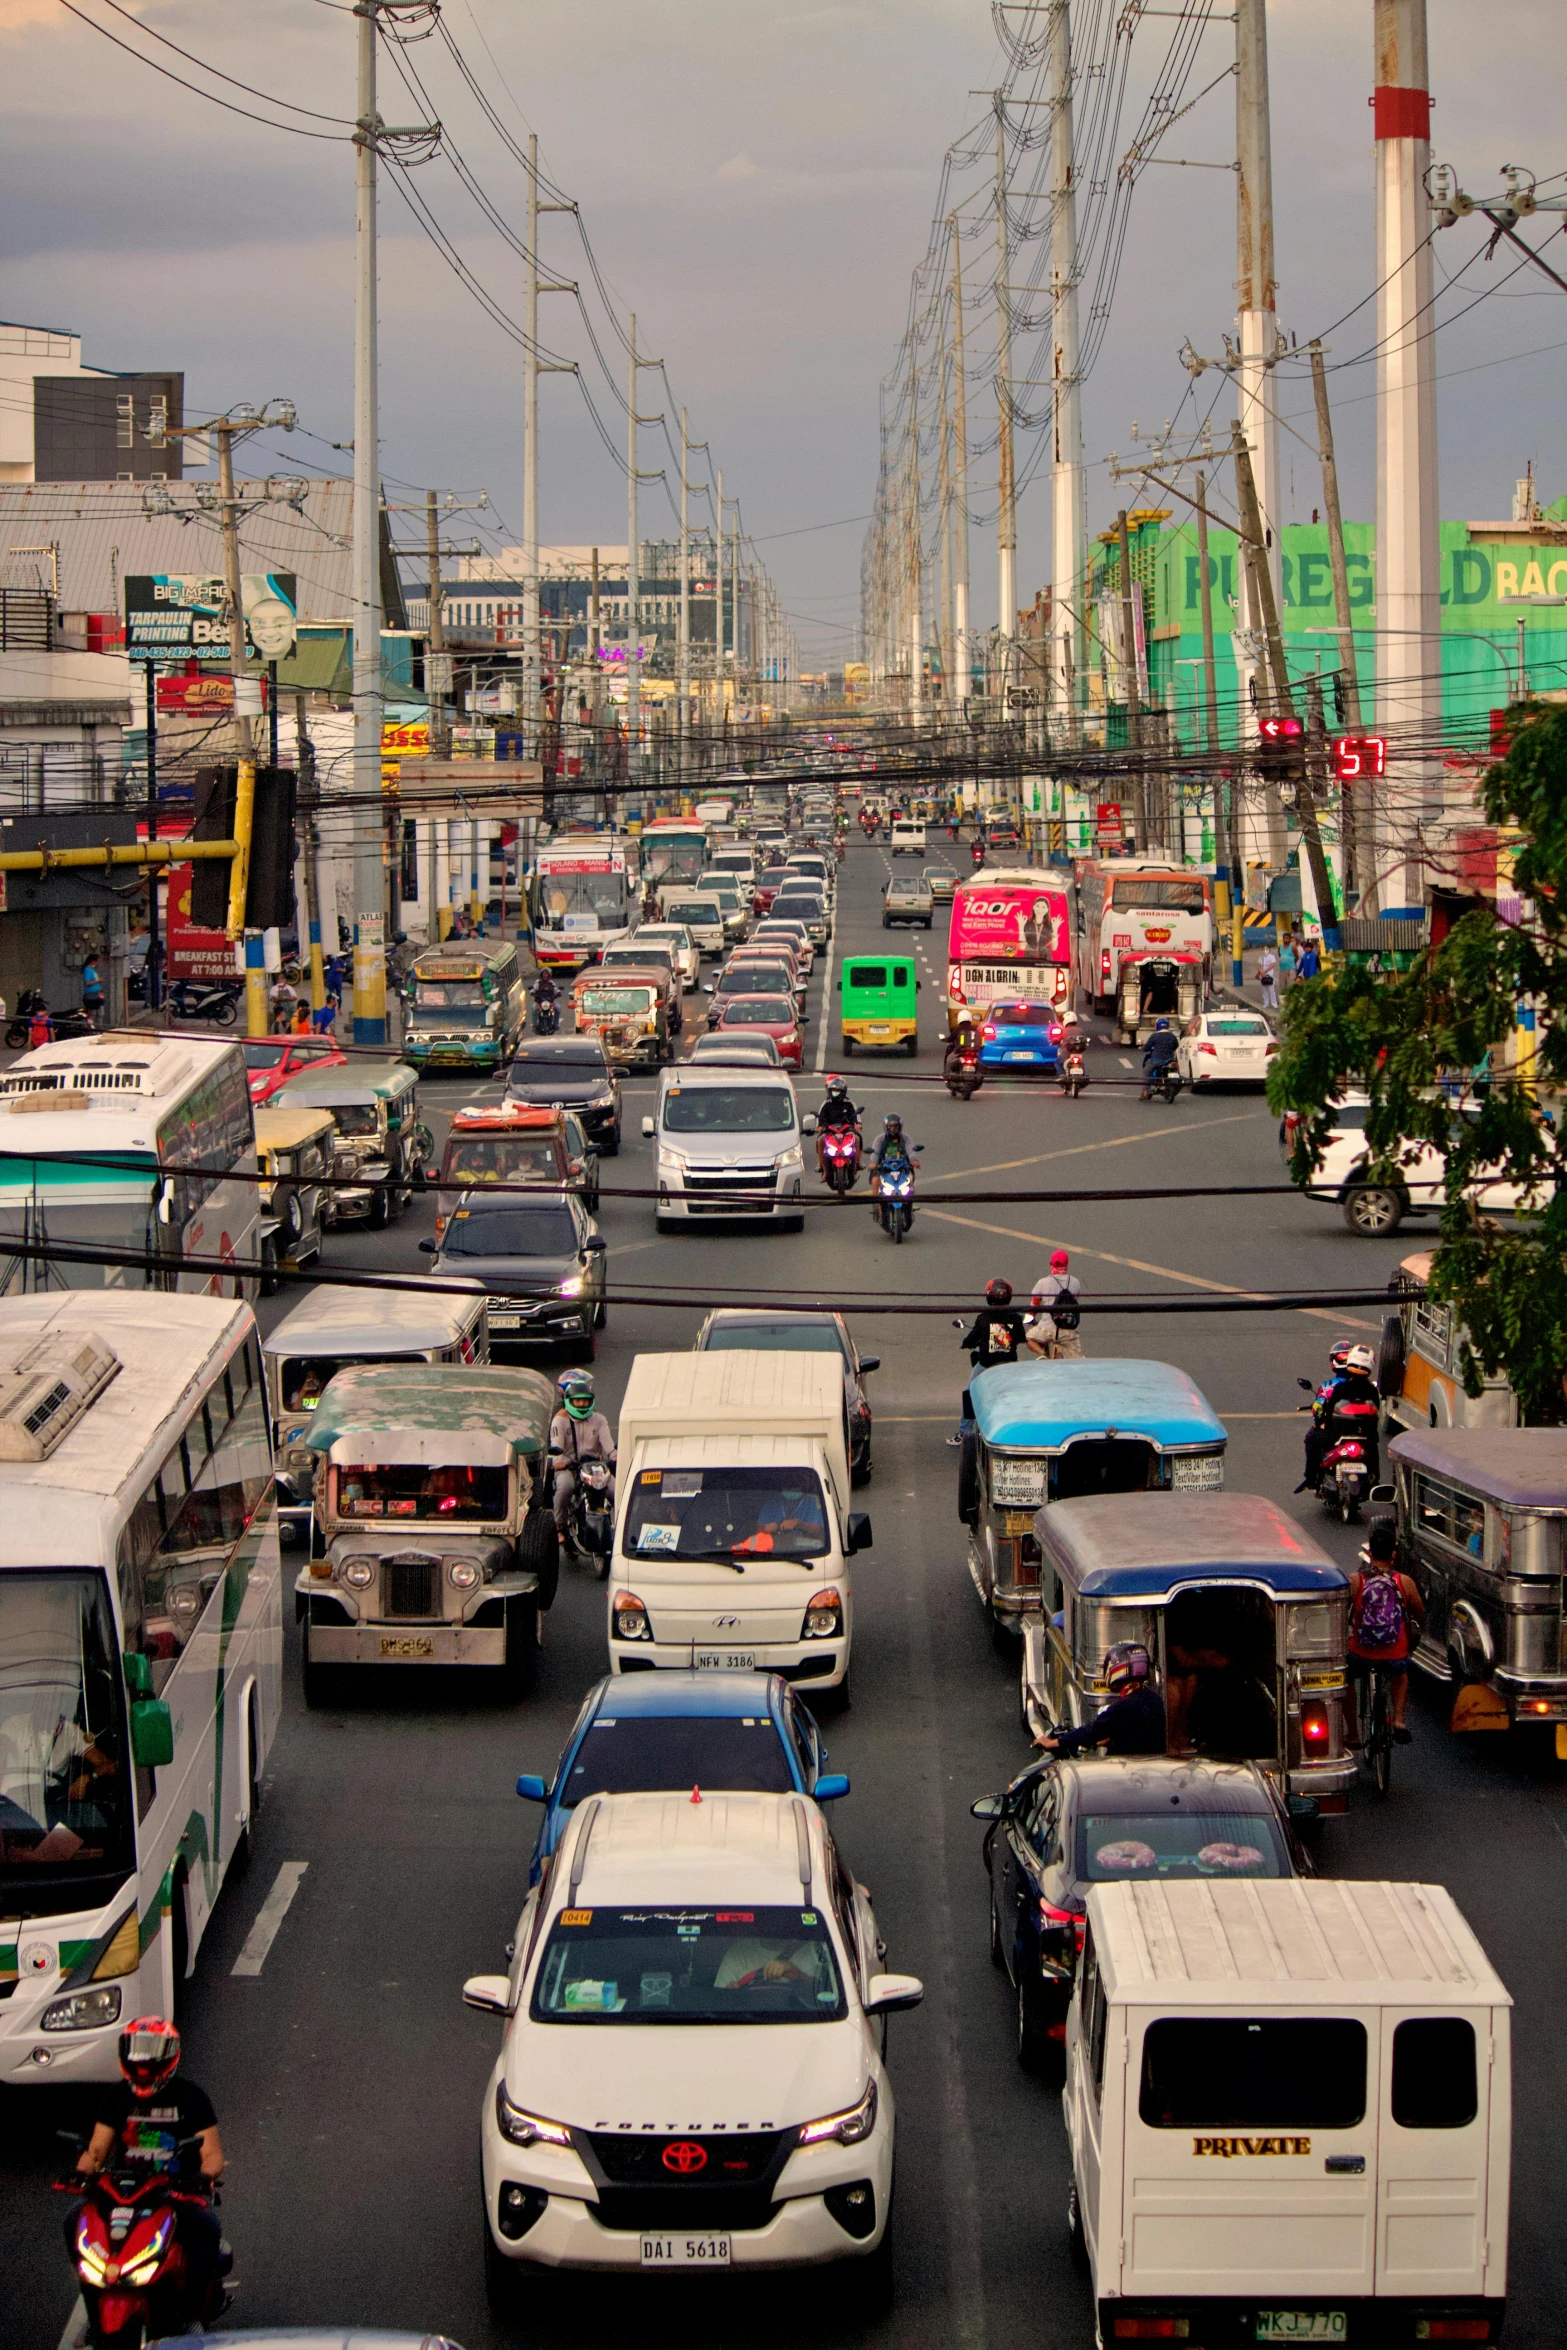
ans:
(1413, 1041)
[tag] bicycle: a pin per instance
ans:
(1375, 1722)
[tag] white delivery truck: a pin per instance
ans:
(1289, 2107)
(734, 1530)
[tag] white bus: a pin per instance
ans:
(141, 1656)
(583, 897)
(142, 1143)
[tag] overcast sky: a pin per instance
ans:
(757, 180)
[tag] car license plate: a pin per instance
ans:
(505, 1321)
(1020, 1056)
(724, 1660)
(1302, 2325)
(877, 1027)
(685, 2252)
(407, 1644)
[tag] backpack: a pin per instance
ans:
(1381, 1618)
(1063, 1310)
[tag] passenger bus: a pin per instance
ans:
(141, 1657)
(1010, 941)
(675, 848)
(466, 1008)
(584, 890)
(1131, 907)
(142, 1143)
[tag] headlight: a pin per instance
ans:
(794, 1158)
(823, 1616)
(571, 1286)
(463, 1573)
(360, 1572)
(847, 2128)
(630, 1617)
(603, 1101)
(149, 2260)
(92, 2257)
(526, 2129)
(83, 2010)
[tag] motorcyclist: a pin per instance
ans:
(1158, 1053)
(578, 1432)
(836, 1114)
(1133, 1721)
(141, 2125)
(545, 995)
(892, 1144)
(997, 1332)
(962, 1051)
(1355, 1383)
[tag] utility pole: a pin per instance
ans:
(916, 585)
(1069, 512)
(1006, 511)
(1228, 888)
(961, 657)
(1409, 657)
(718, 613)
(368, 835)
(1256, 323)
(533, 368)
(310, 911)
(1134, 729)
(595, 663)
(633, 587)
(437, 666)
(1359, 857)
(257, 1022)
(944, 522)
(683, 648)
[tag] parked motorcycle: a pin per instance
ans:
(895, 1197)
(135, 2278)
(840, 1158)
(204, 999)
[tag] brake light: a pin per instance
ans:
(1269, 1050)
(1150, 2329)
(1104, 961)
(990, 1033)
(1315, 1728)
(1211, 1050)
(1452, 2329)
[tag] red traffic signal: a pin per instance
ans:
(1280, 730)
(1357, 757)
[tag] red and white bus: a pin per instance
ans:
(583, 897)
(1011, 937)
(1131, 907)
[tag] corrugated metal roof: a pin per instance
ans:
(103, 534)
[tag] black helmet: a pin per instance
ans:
(998, 1293)
(893, 1122)
(837, 1086)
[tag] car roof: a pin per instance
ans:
(651, 1847)
(1138, 1782)
(679, 1694)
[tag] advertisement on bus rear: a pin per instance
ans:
(1009, 924)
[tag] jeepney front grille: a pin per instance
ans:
(410, 1586)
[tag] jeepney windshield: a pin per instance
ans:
(424, 1493)
(301, 1378)
(65, 1788)
(356, 1117)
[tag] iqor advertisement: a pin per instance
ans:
(1014, 923)
(177, 615)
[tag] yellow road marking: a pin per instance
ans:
(1078, 1150)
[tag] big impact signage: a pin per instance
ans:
(182, 615)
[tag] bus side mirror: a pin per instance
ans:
(152, 1733)
(138, 1674)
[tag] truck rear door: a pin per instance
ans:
(1431, 2191)
(1251, 2158)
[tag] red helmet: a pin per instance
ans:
(998, 1293)
(149, 2054)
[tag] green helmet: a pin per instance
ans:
(576, 1393)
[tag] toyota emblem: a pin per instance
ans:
(685, 2159)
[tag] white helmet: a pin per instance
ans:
(1360, 1358)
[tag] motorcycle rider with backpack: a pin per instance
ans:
(1058, 1312)
(1383, 1604)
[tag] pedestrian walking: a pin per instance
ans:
(1268, 974)
(1310, 964)
(92, 993)
(1287, 958)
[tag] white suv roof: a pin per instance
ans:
(725, 1847)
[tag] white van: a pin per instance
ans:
(1289, 2107)
(908, 837)
(730, 1143)
(702, 916)
(734, 1531)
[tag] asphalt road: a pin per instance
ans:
(348, 2075)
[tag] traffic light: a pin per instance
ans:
(1280, 743)
(1278, 732)
(1357, 758)
(269, 900)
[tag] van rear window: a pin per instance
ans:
(1434, 2075)
(1253, 2073)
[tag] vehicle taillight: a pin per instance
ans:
(990, 1033)
(1150, 2329)
(1452, 2329)
(1211, 1050)
(1315, 1728)
(1104, 961)
(1270, 1049)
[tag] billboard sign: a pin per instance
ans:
(183, 615)
(193, 952)
(1018, 922)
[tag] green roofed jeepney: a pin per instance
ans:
(432, 1497)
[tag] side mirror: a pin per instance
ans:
(1306, 1383)
(885, 1994)
(1384, 1495)
(152, 1734)
(870, 1363)
(595, 1244)
(830, 1786)
(986, 1807)
(858, 1532)
(648, 1129)
(427, 1248)
(808, 1122)
(138, 1674)
(490, 1994)
(532, 1789)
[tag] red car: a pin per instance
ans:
(768, 883)
(769, 1015)
(270, 1061)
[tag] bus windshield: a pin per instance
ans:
(42, 1214)
(65, 1788)
(598, 897)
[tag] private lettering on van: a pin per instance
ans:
(1234, 2146)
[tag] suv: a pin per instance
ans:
(908, 899)
(570, 1072)
(729, 1144)
(1375, 1210)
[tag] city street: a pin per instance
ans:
(347, 2074)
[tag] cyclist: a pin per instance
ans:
(1383, 1604)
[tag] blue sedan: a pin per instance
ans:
(745, 1732)
(1021, 1036)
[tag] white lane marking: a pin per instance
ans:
(1125, 1063)
(269, 1917)
(1139, 1265)
(824, 1008)
(76, 2324)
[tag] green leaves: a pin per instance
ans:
(1435, 1050)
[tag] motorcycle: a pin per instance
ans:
(840, 1158)
(546, 1015)
(1073, 1076)
(977, 852)
(962, 1071)
(895, 1197)
(130, 2262)
(1164, 1083)
(203, 999)
(593, 1513)
(1349, 1459)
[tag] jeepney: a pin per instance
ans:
(1420, 1368)
(294, 1151)
(382, 1140)
(332, 1330)
(1480, 1520)
(516, 1142)
(466, 1006)
(1045, 1432)
(627, 1015)
(1245, 1620)
(432, 1492)
(1172, 983)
